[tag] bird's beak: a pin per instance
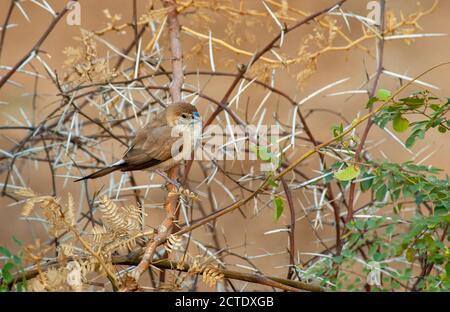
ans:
(196, 118)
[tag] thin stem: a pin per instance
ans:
(359, 149)
(36, 46)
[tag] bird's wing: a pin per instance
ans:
(151, 146)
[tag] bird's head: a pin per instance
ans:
(182, 114)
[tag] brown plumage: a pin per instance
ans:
(151, 147)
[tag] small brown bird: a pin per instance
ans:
(151, 148)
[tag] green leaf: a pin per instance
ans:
(17, 260)
(17, 241)
(381, 193)
(7, 276)
(366, 184)
(347, 174)
(8, 266)
(5, 252)
(360, 224)
(383, 94)
(261, 152)
(435, 107)
(413, 102)
(417, 134)
(390, 229)
(371, 101)
(328, 177)
(378, 256)
(337, 130)
(279, 207)
(21, 286)
(410, 141)
(338, 259)
(264, 153)
(272, 182)
(409, 255)
(400, 123)
(442, 129)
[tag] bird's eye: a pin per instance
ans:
(184, 115)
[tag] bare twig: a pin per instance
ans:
(359, 149)
(36, 46)
(5, 26)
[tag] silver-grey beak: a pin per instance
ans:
(196, 117)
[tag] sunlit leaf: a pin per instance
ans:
(400, 123)
(383, 94)
(347, 174)
(272, 182)
(279, 207)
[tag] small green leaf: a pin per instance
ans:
(5, 252)
(328, 177)
(383, 94)
(367, 183)
(409, 255)
(371, 101)
(398, 208)
(410, 141)
(17, 241)
(381, 193)
(8, 266)
(7, 276)
(337, 130)
(338, 259)
(264, 153)
(400, 123)
(390, 229)
(360, 224)
(347, 174)
(413, 102)
(17, 260)
(272, 182)
(442, 129)
(435, 107)
(279, 207)
(21, 286)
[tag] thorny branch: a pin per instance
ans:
(359, 149)
(175, 90)
(284, 284)
(35, 48)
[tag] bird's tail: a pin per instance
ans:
(101, 172)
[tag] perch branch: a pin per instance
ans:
(271, 281)
(175, 91)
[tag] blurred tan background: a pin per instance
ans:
(400, 57)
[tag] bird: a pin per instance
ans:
(151, 148)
